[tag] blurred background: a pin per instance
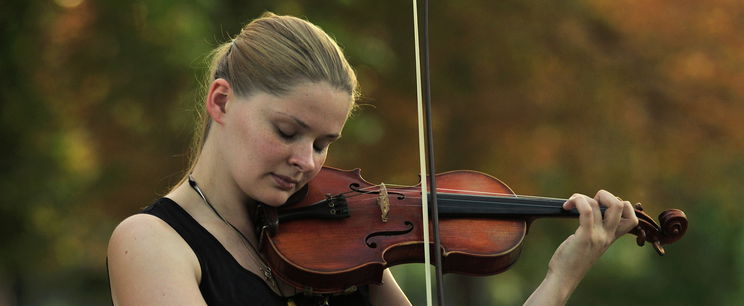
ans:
(643, 98)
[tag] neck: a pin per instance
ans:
(220, 189)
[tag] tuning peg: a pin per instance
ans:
(641, 238)
(659, 249)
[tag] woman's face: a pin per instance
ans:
(273, 145)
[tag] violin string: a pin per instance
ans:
(362, 192)
(491, 203)
(499, 197)
(375, 187)
(485, 201)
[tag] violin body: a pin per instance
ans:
(341, 231)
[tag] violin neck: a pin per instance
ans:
(466, 205)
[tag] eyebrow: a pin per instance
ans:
(304, 125)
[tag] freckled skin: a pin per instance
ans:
(255, 145)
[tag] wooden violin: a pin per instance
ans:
(341, 231)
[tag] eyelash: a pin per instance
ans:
(290, 137)
(284, 135)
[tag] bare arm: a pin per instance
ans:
(575, 256)
(149, 264)
(388, 293)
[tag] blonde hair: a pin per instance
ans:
(272, 54)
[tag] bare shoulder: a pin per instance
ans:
(150, 264)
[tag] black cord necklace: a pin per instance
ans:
(263, 267)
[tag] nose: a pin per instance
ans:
(303, 157)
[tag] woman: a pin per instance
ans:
(279, 94)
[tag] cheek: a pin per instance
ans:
(319, 160)
(254, 148)
(270, 146)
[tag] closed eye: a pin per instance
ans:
(284, 135)
(320, 149)
(323, 143)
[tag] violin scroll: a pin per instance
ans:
(673, 227)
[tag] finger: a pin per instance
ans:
(614, 209)
(596, 211)
(570, 203)
(586, 214)
(629, 219)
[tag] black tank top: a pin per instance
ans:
(223, 280)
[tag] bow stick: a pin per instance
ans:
(427, 142)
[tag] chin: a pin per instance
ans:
(276, 200)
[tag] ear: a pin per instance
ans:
(218, 96)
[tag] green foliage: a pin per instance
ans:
(553, 97)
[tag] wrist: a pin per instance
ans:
(565, 283)
(555, 289)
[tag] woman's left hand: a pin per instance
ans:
(576, 255)
(595, 234)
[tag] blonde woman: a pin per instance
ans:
(279, 94)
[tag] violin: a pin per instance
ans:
(340, 231)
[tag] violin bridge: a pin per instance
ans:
(383, 202)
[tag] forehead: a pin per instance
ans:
(318, 104)
(317, 96)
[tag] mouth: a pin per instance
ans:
(284, 182)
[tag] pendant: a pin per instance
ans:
(267, 274)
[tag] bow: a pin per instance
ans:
(426, 148)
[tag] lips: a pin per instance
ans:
(284, 182)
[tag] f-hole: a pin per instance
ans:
(372, 244)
